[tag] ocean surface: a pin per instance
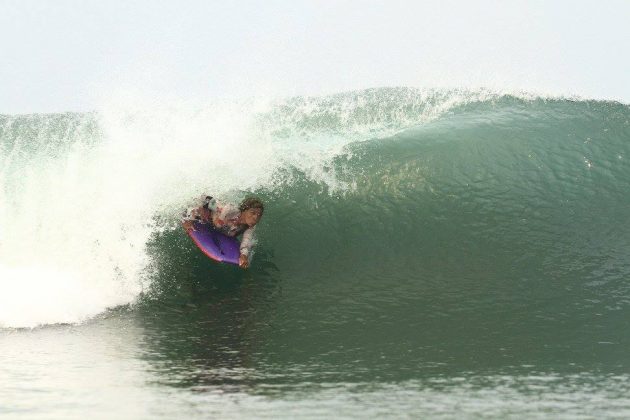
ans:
(423, 253)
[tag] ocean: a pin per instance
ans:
(423, 253)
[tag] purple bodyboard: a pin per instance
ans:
(216, 245)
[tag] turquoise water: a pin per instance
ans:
(436, 254)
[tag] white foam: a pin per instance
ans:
(73, 225)
(30, 296)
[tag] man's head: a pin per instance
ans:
(251, 210)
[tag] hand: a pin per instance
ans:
(243, 261)
(189, 226)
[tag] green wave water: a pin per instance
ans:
(450, 253)
(496, 230)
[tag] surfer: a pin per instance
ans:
(229, 220)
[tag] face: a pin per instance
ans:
(251, 216)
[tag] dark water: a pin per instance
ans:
(477, 266)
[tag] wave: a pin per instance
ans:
(394, 185)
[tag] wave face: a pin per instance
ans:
(475, 199)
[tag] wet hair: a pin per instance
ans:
(252, 203)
